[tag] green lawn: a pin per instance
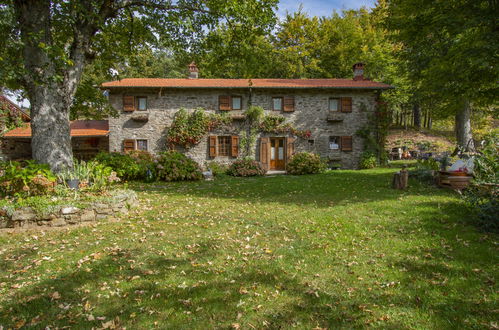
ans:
(337, 250)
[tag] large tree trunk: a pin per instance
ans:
(416, 112)
(50, 86)
(464, 135)
(50, 137)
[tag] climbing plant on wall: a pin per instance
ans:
(376, 131)
(188, 129)
(249, 134)
(276, 124)
(8, 119)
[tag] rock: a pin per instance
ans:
(99, 217)
(104, 211)
(88, 215)
(73, 219)
(23, 214)
(69, 210)
(58, 222)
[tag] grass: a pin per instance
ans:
(336, 250)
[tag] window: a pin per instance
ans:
(128, 103)
(236, 103)
(334, 143)
(311, 142)
(334, 104)
(223, 145)
(277, 103)
(142, 145)
(130, 145)
(142, 103)
(227, 146)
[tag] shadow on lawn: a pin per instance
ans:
(443, 276)
(323, 190)
(207, 300)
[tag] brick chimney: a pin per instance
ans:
(193, 71)
(358, 71)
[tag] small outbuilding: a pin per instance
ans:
(88, 137)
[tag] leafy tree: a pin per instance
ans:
(45, 46)
(90, 102)
(451, 47)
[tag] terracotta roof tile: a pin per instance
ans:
(14, 108)
(245, 83)
(79, 128)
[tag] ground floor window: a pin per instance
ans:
(334, 143)
(142, 145)
(223, 145)
(132, 144)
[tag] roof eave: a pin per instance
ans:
(255, 87)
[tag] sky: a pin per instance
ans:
(321, 7)
(312, 7)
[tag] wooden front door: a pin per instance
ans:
(277, 154)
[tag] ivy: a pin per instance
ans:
(376, 131)
(276, 124)
(8, 119)
(188, 129)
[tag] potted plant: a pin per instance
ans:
(462, 171)
(70, 179)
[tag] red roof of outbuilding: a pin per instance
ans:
(245, 83)
(14, 109)
(79, 128)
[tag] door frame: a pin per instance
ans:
(273, 164)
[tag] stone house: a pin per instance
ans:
(331, 109)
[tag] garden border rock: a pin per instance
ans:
(67, 215)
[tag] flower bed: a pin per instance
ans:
(62, 211)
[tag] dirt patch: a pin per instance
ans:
(414, 139)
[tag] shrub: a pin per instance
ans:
(306, 163)
(217, 168)
(125, 166)
(423, 175)
(483, 195)
(147, 164)
(368, 160)
(174, 166)
(245, 167)
(484, 201)
(31, 179)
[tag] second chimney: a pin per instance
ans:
(358, 71)
(193, 71)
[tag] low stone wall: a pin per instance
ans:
(27, 217)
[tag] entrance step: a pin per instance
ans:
(274, 172)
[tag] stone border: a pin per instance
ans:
(26, 217)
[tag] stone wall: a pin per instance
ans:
(84, 148)
(27, 217)
(311, 113)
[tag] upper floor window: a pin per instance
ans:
(343, 104)
(277, 103)
(141, 103)
(334, 104)
(236, 103)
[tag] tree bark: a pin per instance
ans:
(464, 135)
(51, 88)
(416, 112)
